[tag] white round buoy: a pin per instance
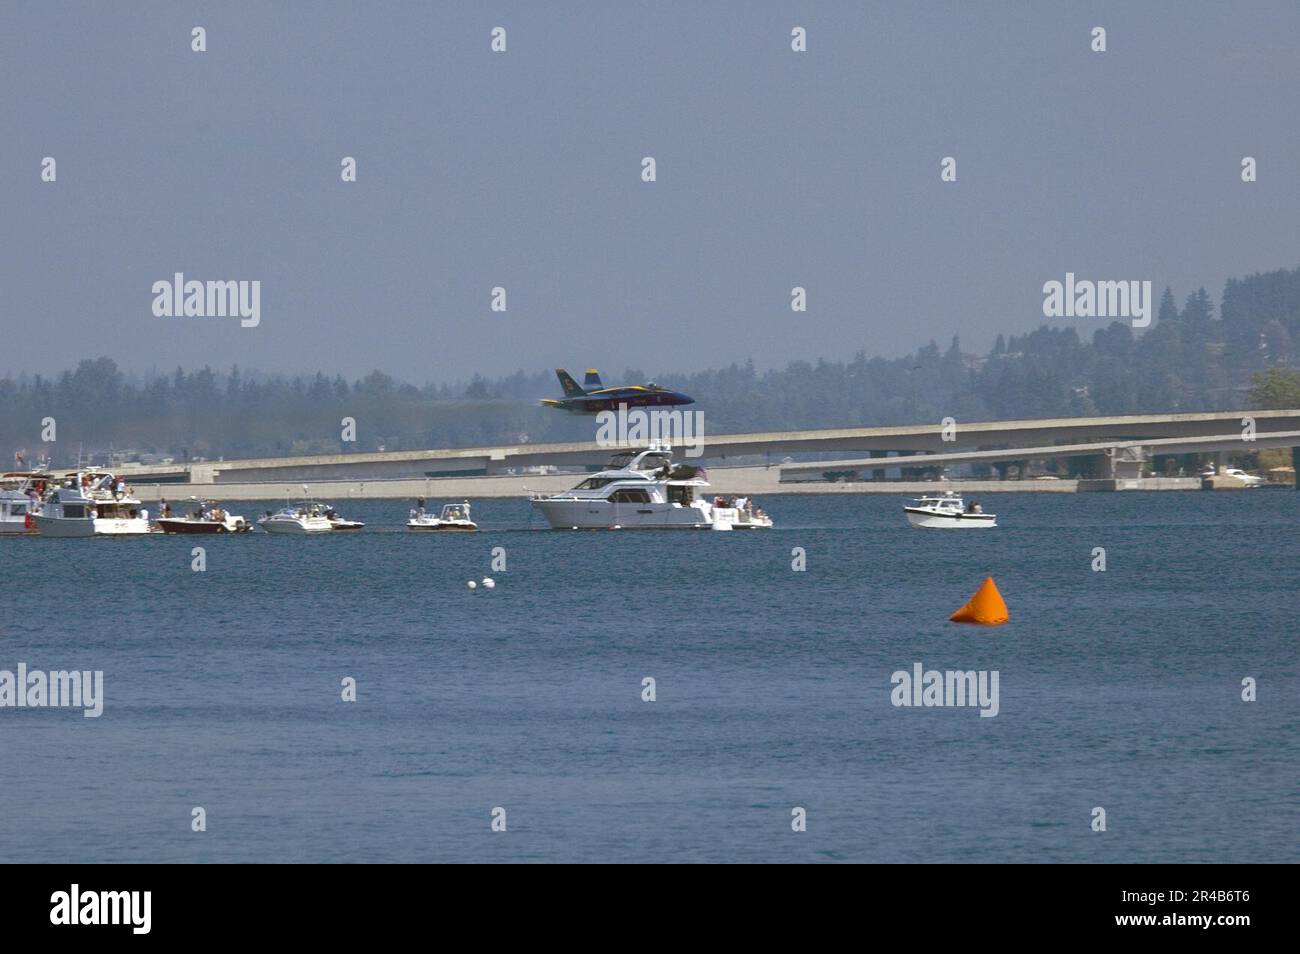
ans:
(489, 583)
(472, 585)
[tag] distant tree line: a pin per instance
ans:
(1191, 359)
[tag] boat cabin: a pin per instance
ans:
(948, 502)
(455, 511)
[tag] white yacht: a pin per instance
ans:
(301, 519)
(91, 503)
(20, 499)
(455, 517)
(947, 511)
(644, 490)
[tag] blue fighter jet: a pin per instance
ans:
(595, 397)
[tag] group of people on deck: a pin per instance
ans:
(745, 505)
(202, 512)
(105, 483)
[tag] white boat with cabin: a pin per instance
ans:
(644, 490)
(20, 499)
(296, 519)
(91, 503)
(947, 511)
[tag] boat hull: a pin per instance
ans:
(176, 525)
(297, 527)
(606, 515)
(92, 527)
(928, 520)
(729, 518)
(441, 528)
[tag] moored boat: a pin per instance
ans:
(20, 499)
(454, 517)
(291, 519)
(645, 490)
(91, 503)
(206, 517)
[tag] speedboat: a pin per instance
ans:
(20, 499)
(947, 511)
(453, 517)
(91, 503)
(291, 519)
(337, 522)
(645, 490)
(207, 517)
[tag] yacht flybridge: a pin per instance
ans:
(645, 490)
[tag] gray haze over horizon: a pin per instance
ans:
(522, 169)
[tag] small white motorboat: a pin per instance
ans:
(453, 517)
(292, 519)
(947, 511)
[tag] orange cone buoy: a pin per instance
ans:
(986, 606)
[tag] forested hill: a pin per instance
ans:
(1195, 356)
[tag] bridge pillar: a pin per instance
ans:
(878, 473)
(1295, 464)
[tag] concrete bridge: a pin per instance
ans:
(922, 444)
(1123, 459)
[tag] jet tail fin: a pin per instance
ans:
(592, 381)
(569, 385)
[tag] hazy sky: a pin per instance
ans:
(522, 170)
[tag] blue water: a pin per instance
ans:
(1118, 689)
